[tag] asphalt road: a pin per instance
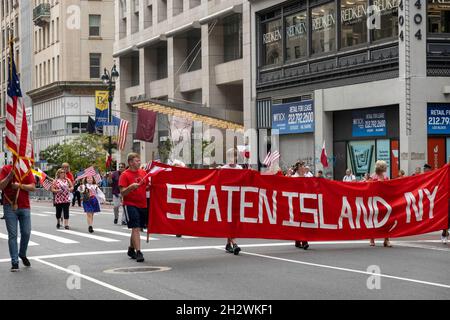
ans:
(73, 265)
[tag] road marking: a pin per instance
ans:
(39, 214)
(123, 234)
(418, 246)
(52, 237)
(171, 235)
(259, 245)
(90, 236)
(5, 237)
(101, 283)
(347, 270)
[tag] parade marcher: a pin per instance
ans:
(133, 189)
(349, 177)
(232, 246)
(380, 175)
(300, 171)
(117, 198)
(92, 196)
(69, 175)
(401, 174)
(308, 173)
(427, 168)
(20, 217)
(417, 171)
(320, 174)
(366, 177)
(62, 187)
(76, 194)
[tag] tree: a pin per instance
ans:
(82, 152)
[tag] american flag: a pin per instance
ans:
(271, 158)
(18, 139)
(123, 132)
(90, 172)
(46, 184)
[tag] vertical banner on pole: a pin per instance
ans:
(101, 108)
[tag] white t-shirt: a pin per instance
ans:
(349, 178)
(306, 175)
(229, 166)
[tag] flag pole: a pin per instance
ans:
(16, 158)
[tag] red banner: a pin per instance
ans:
(244, 204)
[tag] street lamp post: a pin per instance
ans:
(109, 78)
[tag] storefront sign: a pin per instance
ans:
(273, 36)
(384, 153)
(369, 124)
(296, 30)
(296, 117)
(438, 118)
(361, 157)
(324, 22)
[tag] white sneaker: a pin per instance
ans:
(443, 239)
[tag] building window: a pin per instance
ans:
(296, 36)
(439, 16)
(95, 65)
(271, 41)
(353, 22)
(323, 23)
(389, 19)
(94, 25)
(232, 37)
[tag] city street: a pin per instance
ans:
(77, 265)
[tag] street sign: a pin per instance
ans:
(110, 131)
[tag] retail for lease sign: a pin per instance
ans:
(295, 117)
(438, 118)
(369, 124)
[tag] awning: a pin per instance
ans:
(193, 112)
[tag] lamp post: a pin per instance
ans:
(109, 78)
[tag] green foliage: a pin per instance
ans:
(82, 152)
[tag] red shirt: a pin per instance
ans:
(9, 195)
(136, 198)
(69, 176)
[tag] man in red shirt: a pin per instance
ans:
(133, 189)
(21, 216)
(69, 174)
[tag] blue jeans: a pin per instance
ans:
(23, 217)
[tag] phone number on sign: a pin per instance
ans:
(299, 118)
(436, 121)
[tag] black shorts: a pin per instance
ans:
(136, 217)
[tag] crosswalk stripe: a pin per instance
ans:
(30, 243)
(172, 235)
(52, 237)
(86, 235)
(124, 234)
(40, 215)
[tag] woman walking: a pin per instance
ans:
(90, 195)
(62, 189)
(380, 175)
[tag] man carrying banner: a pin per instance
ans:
(133, 186)
(232, 246)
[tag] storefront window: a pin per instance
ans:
(271, 41)
(353, 22)
(388, 27)
(439, 16)
(296, 36)
(323, 22)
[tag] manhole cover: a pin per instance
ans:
(138, 270)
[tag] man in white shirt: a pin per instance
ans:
(231, 245)
(349, 177)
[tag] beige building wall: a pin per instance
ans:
(177, 25)
(65, 77)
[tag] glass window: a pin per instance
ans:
(232, 37)
(353, 22)
(323, 22)
(95, 65)
(439, 16)
(296, 36)
(271, 41)
(94, 25)
(388, 19)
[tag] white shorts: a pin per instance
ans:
(117, 201)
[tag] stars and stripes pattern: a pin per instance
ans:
(271, 158)
(122, 133)
(18, 138)
(46, 184)
(90, 172)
